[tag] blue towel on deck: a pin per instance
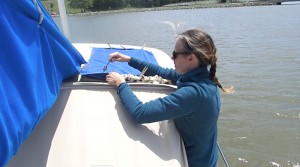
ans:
(99, 58)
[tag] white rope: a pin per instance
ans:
(146, 79)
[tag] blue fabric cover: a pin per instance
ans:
(34, 59)
(99, 58)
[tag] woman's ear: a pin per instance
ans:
(192, 57)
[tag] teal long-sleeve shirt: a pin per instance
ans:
(194, 107)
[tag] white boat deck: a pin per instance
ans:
(88, 127)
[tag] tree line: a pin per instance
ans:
(96, 5)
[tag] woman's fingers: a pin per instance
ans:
(116, 56)
(114, 78)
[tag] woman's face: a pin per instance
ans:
(181, 58)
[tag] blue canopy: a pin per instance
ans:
(34, 59)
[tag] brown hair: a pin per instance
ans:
(201, 44)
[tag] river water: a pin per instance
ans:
(259, 54)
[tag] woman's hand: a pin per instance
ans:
(116, 56)
(114, 78)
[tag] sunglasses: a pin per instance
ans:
(175, 54)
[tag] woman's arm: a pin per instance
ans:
(176, 104)
(154, 69)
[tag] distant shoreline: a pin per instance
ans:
(175, 7)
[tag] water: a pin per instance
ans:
(259, 54)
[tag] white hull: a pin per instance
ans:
(88, 127)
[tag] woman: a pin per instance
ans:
(194, 106)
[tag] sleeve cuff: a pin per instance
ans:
(121, 87)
